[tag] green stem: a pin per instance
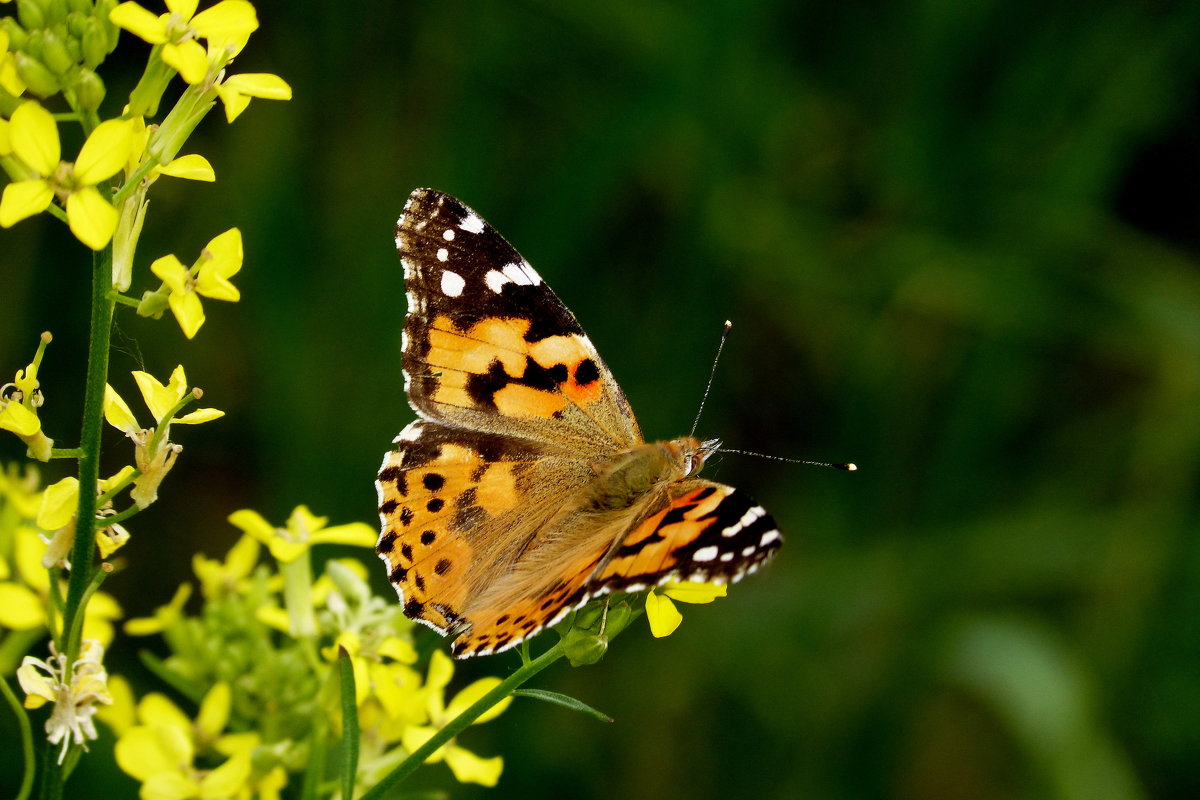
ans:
(459, 723)
(83, 551)
(26, 738)
(65, 452)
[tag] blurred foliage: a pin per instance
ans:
(960, 245)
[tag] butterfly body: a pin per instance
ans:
(526, 487)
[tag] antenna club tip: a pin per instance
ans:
(728, 324)
(852, 467)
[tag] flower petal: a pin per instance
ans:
(171, 271)
(470, 768)
(34, 137)
(691, 592)
(184, 8)
(357, 534)
(200, 415)
(228, 779)
(229, 20)
(190, 167)
(259, 84)
(20, 608)
(253, 524)
(24, 199)
(58, 504)
(235, 103)
(662, 615)
(117, 412)
(91, 217)
(469, 695)
(159, 399)
(19, 419)
(105, 152)
(140, 22)
(188, 311)
(214, 710)
(188, 59)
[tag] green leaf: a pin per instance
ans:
(350, 733)
(564, 701)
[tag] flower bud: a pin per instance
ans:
(40, 80)
(55, 54)
(76, 22)
(31, 14)
(35, 43)
(94, 43)
(82, 7)
(55, 11)
(103, 9)
(17, 35)
(89, 90)
(153, 304)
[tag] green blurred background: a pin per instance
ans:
(959, 243)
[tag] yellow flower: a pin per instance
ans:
(226, 27)
(19, 401)
(154, 453)
(236, 90)
(221, 578)
(209, 276)
(57, 513)
(303, 530)
(74, 703)
(33, 136)
(466, 766)
(160, 751)
(661, 613)
(163, 616)
(25, 583)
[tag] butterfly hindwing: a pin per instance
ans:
(707, 533)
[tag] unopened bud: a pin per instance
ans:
(94, 43)
(40, 80)
(56, 11)
(55, 55)
(89, 90)
(31, 14)
(17, 35)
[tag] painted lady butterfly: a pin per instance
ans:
(526, 488)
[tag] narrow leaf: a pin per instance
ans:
(564, 701)
(350, 733)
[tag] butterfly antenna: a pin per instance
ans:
(711, 375)
(849, 467)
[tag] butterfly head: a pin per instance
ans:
(691, 453)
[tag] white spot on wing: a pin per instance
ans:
(452, 283)
(705, 553)
(448, 234)
(747, 519)
(472, 224)
(443, 254)
(768, 538)
(496, 280)
(517, 274)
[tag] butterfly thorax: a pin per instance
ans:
(634, 473)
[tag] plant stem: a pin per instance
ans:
(459, 723)
(26, 738)
(83, 551)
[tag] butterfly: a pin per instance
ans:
(525, 487)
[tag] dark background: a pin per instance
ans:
(959, 243)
